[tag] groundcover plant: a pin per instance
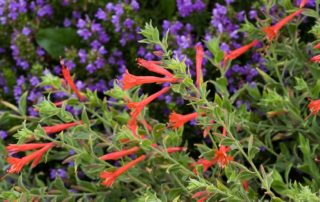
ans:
(186, 100)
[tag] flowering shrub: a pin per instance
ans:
(222, 108)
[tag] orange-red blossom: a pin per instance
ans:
(60, 127)
(273, 30)
(137, 107)
(154, 66)
(315, 59)
(110, 177)
(314, 106)
(238, 52)
(303, 3)
(199, 59)
(317, 46)
(67, 76)
(18, 163)
(119, 154)
(203, 194)
(125, 152)
(130, 81)
(220, 157)
(178, 120)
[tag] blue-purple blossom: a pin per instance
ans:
(26, 31)
(101, 14)
(54, 173)
(3, 134)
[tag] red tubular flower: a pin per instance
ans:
(175, 149)
(153, 67)
(238, 52)
(245, 185)
(314, 106)
(207, 129)
(203, 194)
(224, 131)
(110, 177)
(221, 156)
(67, 76)
(303, 3)
(315, 59)
(178, 120)
(60, 127)
(273, 30)
(119, 154)
(14, 148)
(17, 164)
(146, 125)
(133, 126)
(317, 46)
(205, 163)
(130, 80)
(199, 59)
(58, 104)
(137, 107)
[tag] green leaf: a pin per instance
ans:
(221, 86)
(54, 40)
(59, 185)
(84, 117)
(214, 48)
(150, 33)
(23, 103)
(250, 142)
(310, 13)
(266, 77)
(254, 92)
(316, 90)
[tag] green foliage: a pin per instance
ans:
(55, 40)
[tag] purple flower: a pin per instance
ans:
(128, 23)
(102, 50)
(134, 5)
(184, 7)
(82, 55)
(67, 22)
(3, 134)
(45, 10)
(40, 51)
(91, 68)
(70, 64)
(240, 16)
(54, 173)
(84, 33)
(34, 81)
(95, 44)
(103, 37)
(96, 27)
(199, 5)
(225, 47)
(26, 31)
(253, 14)
(118, 9)
(72, 152)
(109, 6)
(262, 149)
(81, 23)
(32, 111)
(101, 15)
